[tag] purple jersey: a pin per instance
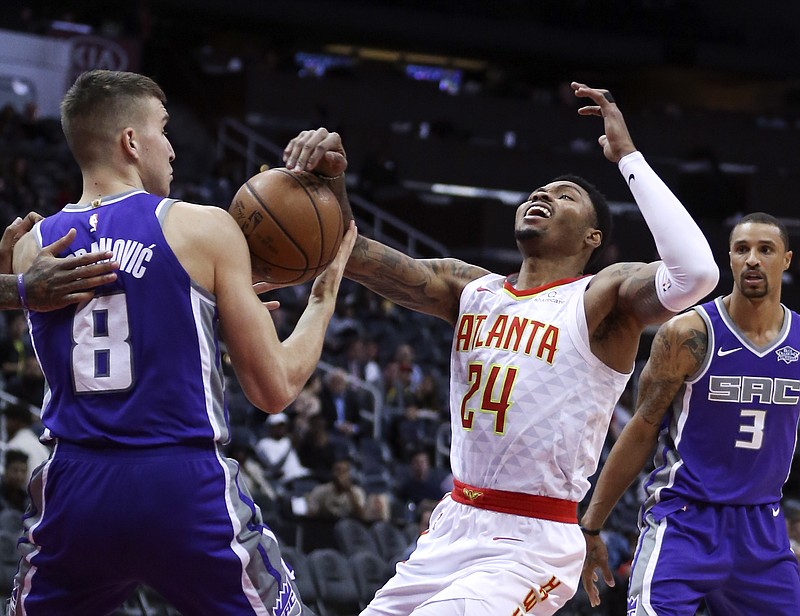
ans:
(731, 432)
(139, 364)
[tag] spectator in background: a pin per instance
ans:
(22, 437)
(13, 487)
(422, 483)
(398, 392)
(361, 359)
(428, 395)
(339, 405)
(305, 406)
(29, 385)
(406, 363)
(410, 433)
(317, 451)
(340, 497)
(276, 451)
(19, 185)
(16, 345)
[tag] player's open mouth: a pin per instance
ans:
(538, 211)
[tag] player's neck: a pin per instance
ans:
(99, 184)
(539, 271)
(760, 318)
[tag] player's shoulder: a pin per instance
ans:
(203, 219)
(683, 325)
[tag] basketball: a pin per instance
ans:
(292, 223)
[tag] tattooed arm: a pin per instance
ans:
(432, 286)
(678, 351)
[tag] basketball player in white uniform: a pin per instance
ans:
(539, 359)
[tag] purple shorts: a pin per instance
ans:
(736, 558)
(174, 518)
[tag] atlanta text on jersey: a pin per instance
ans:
(515, 334)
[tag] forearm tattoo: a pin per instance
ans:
(406, 281)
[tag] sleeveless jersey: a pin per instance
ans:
(731, 431)
(530, 403)
(139, 364)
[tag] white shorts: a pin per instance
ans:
(477, 562)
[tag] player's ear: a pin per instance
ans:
(129, 142)
(787, 260)
(594, 238)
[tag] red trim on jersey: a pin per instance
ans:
(516, 503)
(528, 292)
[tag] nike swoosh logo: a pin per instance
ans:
(631, 178)
(775, 512)
(723, 352)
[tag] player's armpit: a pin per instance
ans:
(432, 286)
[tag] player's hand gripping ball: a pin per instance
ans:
(292, 223)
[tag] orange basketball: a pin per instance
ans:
(292, 223)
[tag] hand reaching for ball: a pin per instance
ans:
(327, 283)
(318, 150)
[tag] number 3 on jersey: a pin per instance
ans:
(101, 353)
(494, 393)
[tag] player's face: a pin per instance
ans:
(560, 209)
(758, 259)
(157, 152)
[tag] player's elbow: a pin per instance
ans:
(682, 287)
(703, 277)
(268, 395)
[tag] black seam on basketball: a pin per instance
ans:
(277, 224)
(304, 186)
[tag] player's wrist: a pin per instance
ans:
(592, 532)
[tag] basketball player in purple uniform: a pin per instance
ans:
(538, 362)
(719, 399)
(137, 490)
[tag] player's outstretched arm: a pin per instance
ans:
(48, 282)
(687, 271)
(271, 372)
(432, 286)
(677, 353)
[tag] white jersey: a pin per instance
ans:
(530, 403)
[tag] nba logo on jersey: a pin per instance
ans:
(633, 604)
(787, 354)
(93, 223)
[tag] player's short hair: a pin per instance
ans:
(99, 103)
(602, 212)
(763, 218)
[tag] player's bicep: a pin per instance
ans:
(678, 351)
(636, 293)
